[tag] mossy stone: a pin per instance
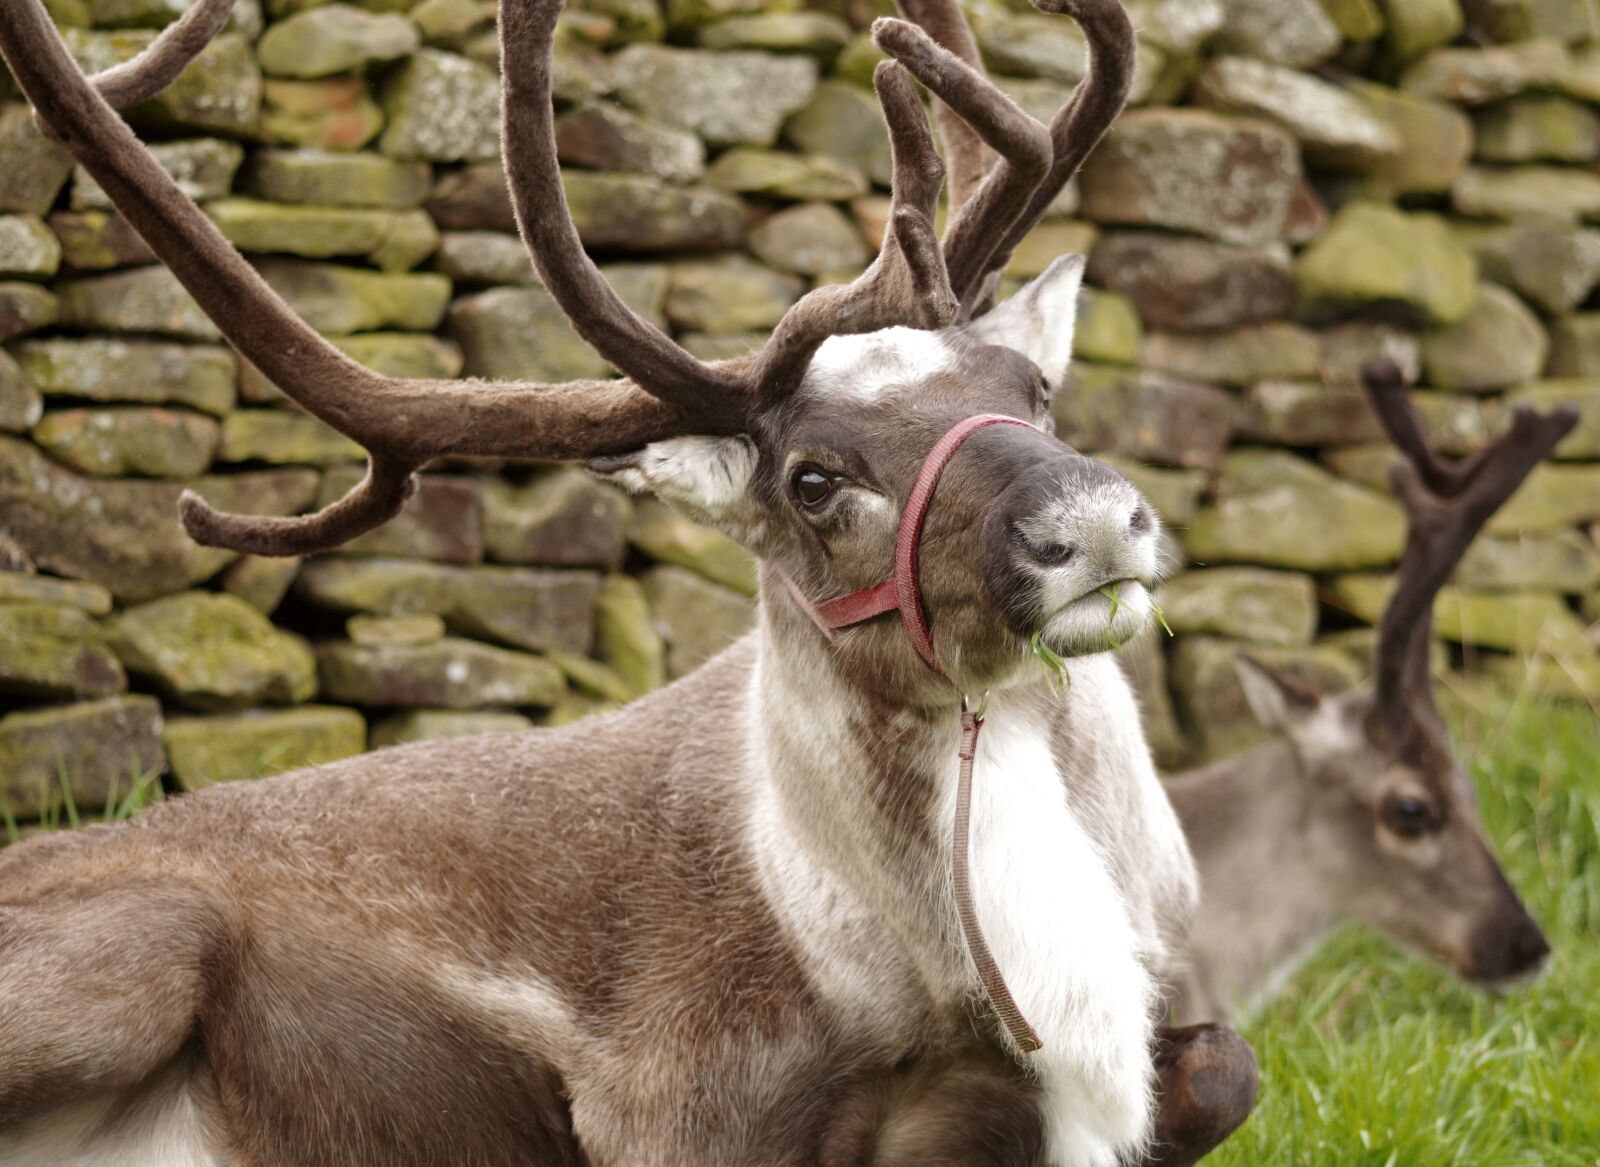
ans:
(24, 308)
(1554, 265)
(698, 618)
(20, 403)
(1107, 329)
(1143, 415)
(129, 440)
(1263, 497)
(561, 517)
(1435, 141)
(1240, 356)
(202, 751)
(785, 175)
(335, 114)
(98, 241)
(1553, 194)
(1185, 284)
(604, 136)
(484, 257)
(17, 588)
(124, 534)
(817, 34)
(331, 179)
(626, 637)
(334, 38)
(339, 300)
(1373, 255)
(98, 748)
(448, 674)
(33, 169)
(1515, 621)
(728, 98)
(54, 651)
(1476, 76)
(728, 294)
(113, 369)
(1562, 560)
(637, 212)
(843, 121)
(523, 607)
(321, 232)
(143, 300)
(283, 437)
(1500, 342)
(664, 535)
(260, 580)
(1575, 346)
(211, 651)
(1242, 603)
(440, 521)
(395, 631)
(810, 239)
(29, 250)
(1538, 128)
(1416, 26)
(1227, 177)
(441, 108)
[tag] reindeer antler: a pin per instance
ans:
(989, 218)
(406, 423)
(1446, 505)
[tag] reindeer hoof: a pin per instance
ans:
(1207, 1088)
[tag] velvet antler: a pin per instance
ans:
(404, 423)
(1446, 505)
(988, 219)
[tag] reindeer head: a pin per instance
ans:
(1392, 822)
(805, 451)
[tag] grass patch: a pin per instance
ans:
(1372, 1058)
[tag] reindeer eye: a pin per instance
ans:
(1406, 816)
(811, 484)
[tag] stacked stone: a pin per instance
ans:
(1301, 184)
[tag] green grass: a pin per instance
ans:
(143, 789)
(1372, 1058)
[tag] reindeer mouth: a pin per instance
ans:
(1099, 620)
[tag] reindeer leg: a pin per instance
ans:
(1207, 1087)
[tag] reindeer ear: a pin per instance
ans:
(706, 478)
(1278, 701)
(1038, 320)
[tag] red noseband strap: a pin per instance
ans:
(901, 590)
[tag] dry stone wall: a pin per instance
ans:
(1299, 185)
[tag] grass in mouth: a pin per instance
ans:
(1055, 668)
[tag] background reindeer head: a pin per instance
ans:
(1392, 829)
(804, 451)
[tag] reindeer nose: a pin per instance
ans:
(1080, 513)
(1529, 948)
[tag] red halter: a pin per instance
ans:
(901, 589)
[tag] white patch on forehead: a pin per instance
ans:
(866, 364)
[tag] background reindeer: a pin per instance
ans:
(1359, 810)
(687, 931)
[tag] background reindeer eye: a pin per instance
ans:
(811, 484)
(1407, 816)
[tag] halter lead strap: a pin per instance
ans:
(901, 590)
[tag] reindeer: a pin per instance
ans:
(693, 930)
(1358, 810)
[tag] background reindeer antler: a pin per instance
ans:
(1446, 505)
(406, 423)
